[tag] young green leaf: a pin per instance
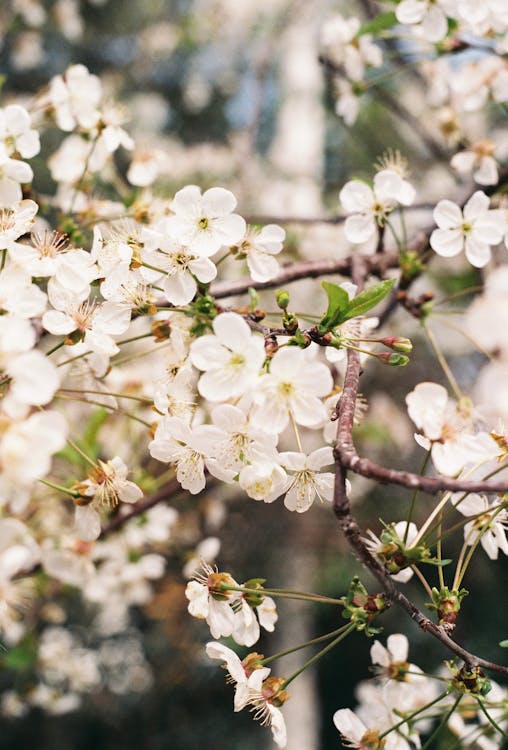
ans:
(338, 304)
(380, 23)
(368, 299)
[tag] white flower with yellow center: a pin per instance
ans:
(205, 223)
(230, 359)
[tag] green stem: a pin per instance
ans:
(491, 720)
(415, 495)
(59, 487)
(411, 716)
(459, 577)
(283, 594)
(316, 657)
(442, 361)
(441, 724)
(55, 348)
(106, 393)
(114, 409)
(321, 638)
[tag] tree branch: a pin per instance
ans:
(308, 269)
(349, 525)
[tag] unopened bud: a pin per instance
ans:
(395, 360)
(282, 298)
(398, 344)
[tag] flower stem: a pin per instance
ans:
(442, 361)
(441, 724)
(349, 629)
(321, 638)
(411, 716)
(59, 487)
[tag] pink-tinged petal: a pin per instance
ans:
(379, 654)
(487, 173)
(447, 242)
(218, 202)
(398, 647)
(448, 215)
(490, 227)
(229, 418)
(129, 492)
(411, 11)
(308, 411)
(360, 228)
(489, 544)
(356, 196)
(204, 270)
(220, 619)
(187, 200)
(477, 205)
(216, 650)
(349, 725)
(230, 229)
(179, 288)
(435, 24)
(320, 457)
(87, 523)
(58, 323)
(262, 267)
(472, 504)
(207, 353)
(292, 461)
(271, 237)
(232, 331)
(478, 253)
(464, 161)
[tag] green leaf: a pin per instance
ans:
(338, 304)
(504, 644)
(368, 299)
(380, 23)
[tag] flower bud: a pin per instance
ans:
(396, 360)
(398, 344)
(282, 298)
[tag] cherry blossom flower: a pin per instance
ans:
(264, 481)
(12, 174)
(246, 629)
(105, 488)
(16, 133)
(247, 675)
(489, 525)
(81, 320)
(306, 480)
(428, 15)
(176, 442)
(16, 221)
(231, 358)
(205, 222)
(344, 47)
(259, 248)
(447, 429)
(295, 385)
(474, 230)
(371, 206)
(207, 601)
(75, 97)
(480, 161)
(236, 442)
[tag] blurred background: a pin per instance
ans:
(232, 93)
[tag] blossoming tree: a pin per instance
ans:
(153, 346)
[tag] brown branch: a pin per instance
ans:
(308, 269)
(351, 529)
(350, 459)
(164, 493)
